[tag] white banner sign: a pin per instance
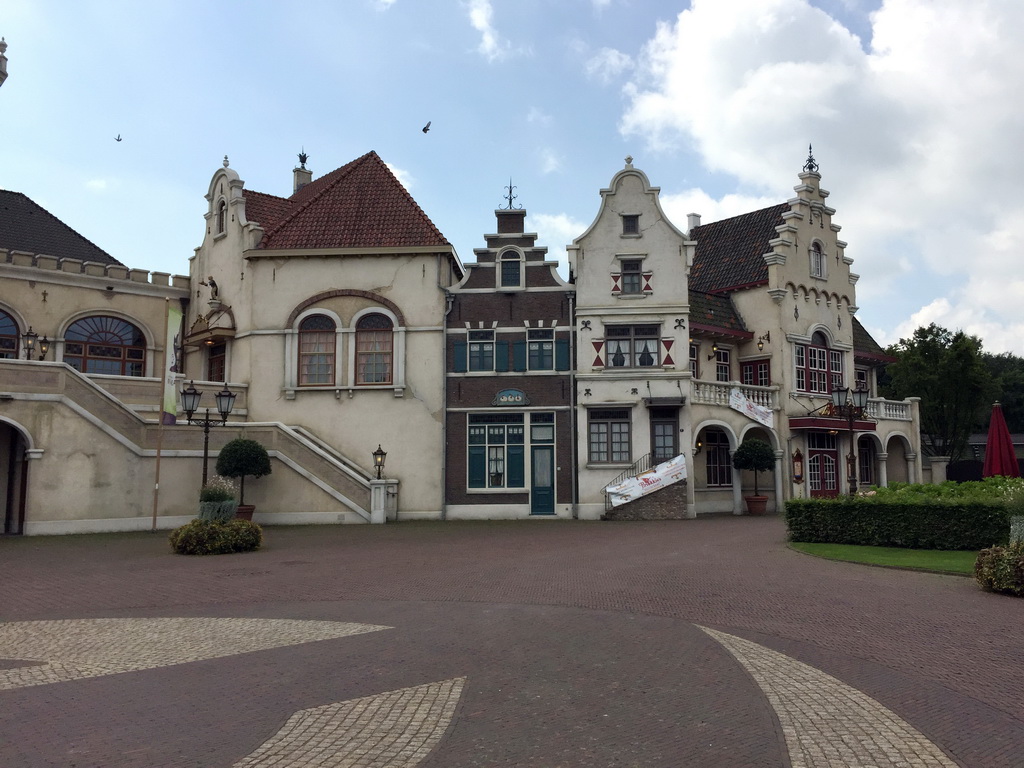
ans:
(666, 473)
(740, 402)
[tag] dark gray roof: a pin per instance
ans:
(26, 226)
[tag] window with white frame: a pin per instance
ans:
(818, 368)
(632, 346)
(609, 436)
(496, 451)
(481, 350)
(374, 349)
(755, 373)
(510, 268)
(317, 351)
(541, 349)
(723, 365)
(818, 263)
(631, 278)
(694, 359)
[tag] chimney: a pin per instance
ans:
(511, 222)
(692, 221)
(301, 176)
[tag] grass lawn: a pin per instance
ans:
(920, 559)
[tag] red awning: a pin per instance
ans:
(829, 423)
(1000, 457)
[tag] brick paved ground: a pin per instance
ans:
(573, 644)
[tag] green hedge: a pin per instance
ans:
(889, 521)
(1001, 569)
(203, 537)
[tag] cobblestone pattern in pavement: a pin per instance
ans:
(828, 724)
(73, 649)
(397, 729)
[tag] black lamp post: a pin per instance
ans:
(378, 459)
(30, 338)
(850, 404)
(190, 404)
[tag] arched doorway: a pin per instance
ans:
(13, 479)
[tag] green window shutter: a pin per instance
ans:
(518, 355)
(477, 466)
(515, 467)
(460, 357)
(501, 356)
(561, 354)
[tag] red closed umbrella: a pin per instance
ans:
(1000, 458)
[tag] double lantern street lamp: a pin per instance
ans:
(850, 404)
(190, 404)
(32, 339)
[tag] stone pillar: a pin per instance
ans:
(738, 507)
(383, 500)
(883, 478)
(779, 456)
(939, 465)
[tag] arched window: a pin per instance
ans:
(8, 337)
(511, 270)
(374, 349)
(222, 211)
(817, 260)
(317, 338)
(107, 345)
(818, 368)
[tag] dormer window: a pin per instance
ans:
(510, 270)
(222, 211)
(817, 260)
(631, 224)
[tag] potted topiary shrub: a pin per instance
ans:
(757, 456)
(241, 457)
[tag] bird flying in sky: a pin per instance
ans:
(426, 127)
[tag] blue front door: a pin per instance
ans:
(542, 484)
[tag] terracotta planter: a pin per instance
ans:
(245, 511)
(756, 505)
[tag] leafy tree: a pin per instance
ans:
(947, 371)
(756, 455)
(241, 457)
(1007, 372)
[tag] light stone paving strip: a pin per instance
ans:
(397, 729)
(826, 723)
(73, 649)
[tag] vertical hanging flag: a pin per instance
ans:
(170, 397)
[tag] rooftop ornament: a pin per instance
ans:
(810, 166)
(510, 196)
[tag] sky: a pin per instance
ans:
(913, 108)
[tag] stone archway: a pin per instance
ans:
(13, 478)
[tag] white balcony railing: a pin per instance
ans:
(717, 393)
(896, 410)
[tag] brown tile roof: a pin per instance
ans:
(360, 205)
(716, 314)
(729, 252)
(26, 226)
(866, 348)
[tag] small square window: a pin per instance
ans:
(631, 224)
(632, 276)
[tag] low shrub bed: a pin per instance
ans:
(206, 537)
(1001, 569)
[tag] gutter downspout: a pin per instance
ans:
(449, 303)
(571, 297)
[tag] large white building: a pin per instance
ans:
(325, 310)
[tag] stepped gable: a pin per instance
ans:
(360, 205)
(27, 226)
(729, 252)
(710, 311)
(866, 348)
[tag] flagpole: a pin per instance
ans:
(160, 411)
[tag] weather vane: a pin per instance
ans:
(511, 196)
(810, 166)
(303, 157)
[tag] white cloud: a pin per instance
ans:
(407, 179)
(556, 230)
(608, 64)
(549, 161)
(537, 115)
(678, 206)
(385, 4)
(481, 15)
(916, 136)
(600, 5)
(96, 185)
